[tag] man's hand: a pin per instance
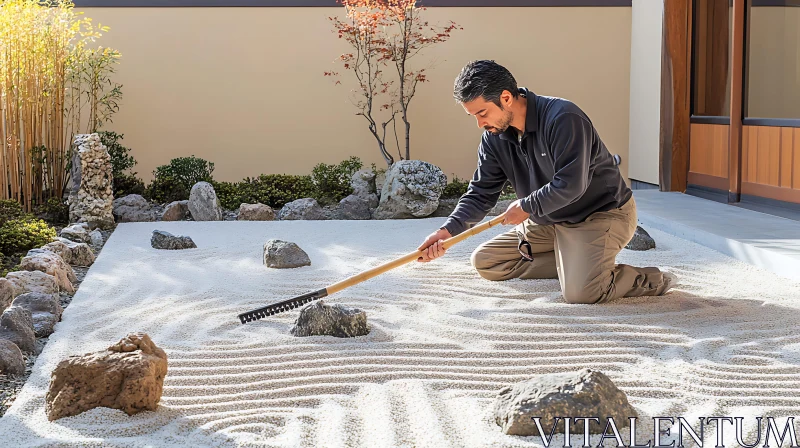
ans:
(515, 214)
(433, 244)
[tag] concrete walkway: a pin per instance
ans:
(767, 241)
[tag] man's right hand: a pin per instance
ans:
(432, 246)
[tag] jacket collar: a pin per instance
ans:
(531, 117)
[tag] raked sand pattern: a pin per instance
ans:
(443, 342)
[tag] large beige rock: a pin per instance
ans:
(50, 263)
(32, 281)
(74, 254)
(129, 376)
(7, 291)
(256, 212)
(176, 211)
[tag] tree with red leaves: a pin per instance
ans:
(386, 33)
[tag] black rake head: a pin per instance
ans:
(281, 306)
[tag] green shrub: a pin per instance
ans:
(54, 211)
(187, 171)
(456, 188)
(125, 184)
(22, 234)
(274, 190)
(332, 182)
(507, 192)
(10, 209)
(165, 189)
(231, 195)
(121, 160)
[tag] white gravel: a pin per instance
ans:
(443, 341)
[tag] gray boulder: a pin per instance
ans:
(11, 360)
(74, 254)
(412, 190)
(133, 208)
(586, 393)
(50, 263)
(7, 291)
(282, 254)
(353, 207)
(165, 240)
(363, 183)
(96, 238)
(16, 325)
(32, 281)
(45, 311)
(380, 181)
(320, 319)
(641, 240)
(445, 208)
(306, 208)
(500, 207)
(176, 211)
(255, 212)
(204, 204)
(76, 232)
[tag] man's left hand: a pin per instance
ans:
(515, 214)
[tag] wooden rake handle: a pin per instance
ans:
(413, 256)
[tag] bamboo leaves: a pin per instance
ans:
(46, 70)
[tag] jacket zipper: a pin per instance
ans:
(522, 152)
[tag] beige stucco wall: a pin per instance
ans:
(645, 96)
(244, 87)
(774, 75)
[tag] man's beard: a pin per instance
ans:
(503, 125)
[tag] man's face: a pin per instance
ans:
(489, 115)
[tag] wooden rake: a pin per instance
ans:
(295, 302)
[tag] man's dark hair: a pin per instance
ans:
(486, 79)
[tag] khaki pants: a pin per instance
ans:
(582, 256)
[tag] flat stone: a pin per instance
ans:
(50, 263)
(74, 254)
(32, 281)
(641, 240)
(586, 393)
(165, 240)
(321, 319)
(76, 232)
(282, 254)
